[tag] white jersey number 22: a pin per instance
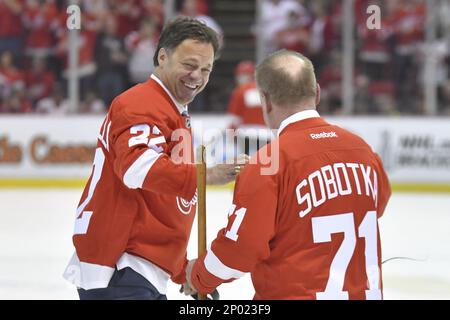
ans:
(82, 222)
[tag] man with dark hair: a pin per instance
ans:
(184, 28)
(135, 215)
(310, 230)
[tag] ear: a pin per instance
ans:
(269, 106)
(317, 94)
(162, 56)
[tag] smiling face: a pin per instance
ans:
(185, 70)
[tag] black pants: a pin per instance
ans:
(125, 284)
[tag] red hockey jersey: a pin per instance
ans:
(245, 104)
(138, 200)
(309, 231)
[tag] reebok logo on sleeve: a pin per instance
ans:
(322, 135)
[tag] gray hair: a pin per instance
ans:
(286, 81)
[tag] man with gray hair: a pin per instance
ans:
(308, 231)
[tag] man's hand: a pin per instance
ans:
(224, 173)
(187, 288)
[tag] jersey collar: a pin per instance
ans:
(181, 108)
(299, 116)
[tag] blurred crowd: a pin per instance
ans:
(389, 62)
(118, 38)
(116, 44)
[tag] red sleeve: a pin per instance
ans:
(142, 158)
(180, 278)
(245, 241)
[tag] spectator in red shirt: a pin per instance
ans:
(141, 45)
(295, 35)
(11, 27)
(39, 21)
(192, 8)
(245, 108)
(374, 46)
(155, 10)
(244, 103)
(128, 13)
(39, 80)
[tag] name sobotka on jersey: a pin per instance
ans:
(334, 180)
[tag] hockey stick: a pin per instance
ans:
(201, 203)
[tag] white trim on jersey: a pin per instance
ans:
(87, 275)
(302, 115)
(181, 108)
(136, 173)
(94, 276)
(154, 274)
(218, 269)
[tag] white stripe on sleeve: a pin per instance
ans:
(217, 268)
(136, 173)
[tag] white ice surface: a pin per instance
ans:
(36, 227)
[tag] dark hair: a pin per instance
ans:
(286, 87)
(182, 28)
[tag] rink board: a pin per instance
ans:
(58, 151)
